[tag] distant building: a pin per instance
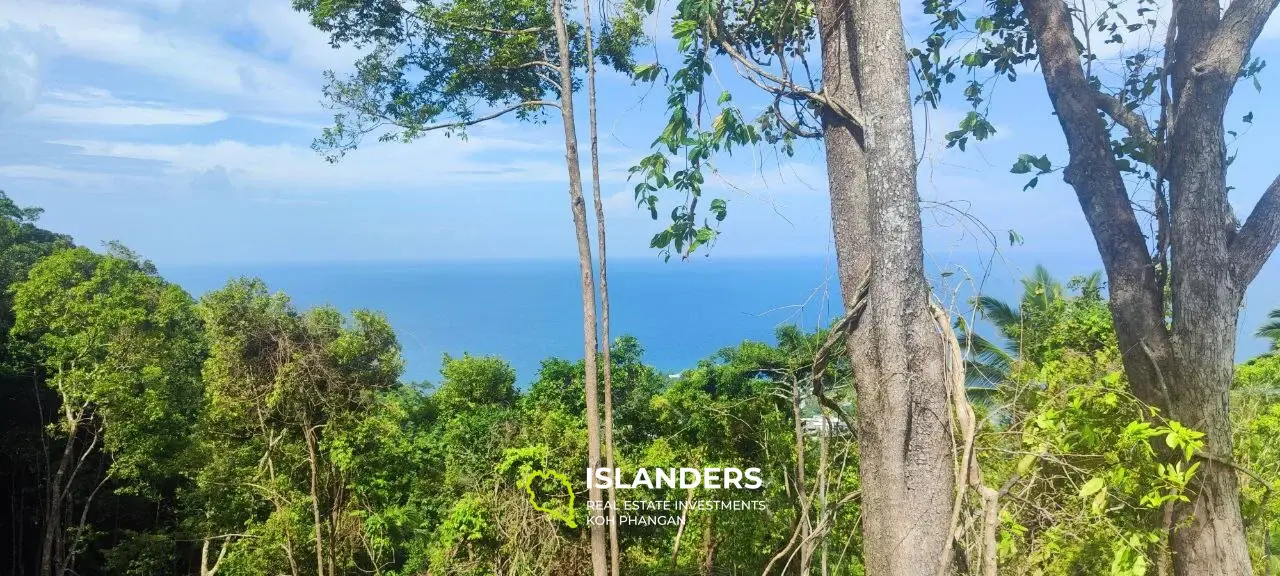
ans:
(813, 425)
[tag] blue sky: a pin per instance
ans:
(182, 128)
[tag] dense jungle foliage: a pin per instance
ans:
(146, 431)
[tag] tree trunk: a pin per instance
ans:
(1209, 537)
(50, 560)
(590, 343)
(896, 351)
(1183, 364)
(312, 456)
(606, 342)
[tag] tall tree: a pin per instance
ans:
(122, 350)
(597, 197)
(1157, 137)
(286, 391)
(861, 109)
(446, 66)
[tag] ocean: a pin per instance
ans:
(527, 311)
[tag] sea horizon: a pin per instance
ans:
(528, 310)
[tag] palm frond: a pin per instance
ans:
(1271, 330)
(1006, 318)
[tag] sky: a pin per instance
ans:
(182, 128)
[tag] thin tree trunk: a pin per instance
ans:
(50, 561)
(590, 343)
(823, 449)
(309, 435)
(606, 343)
(287, 545)
(895, 350)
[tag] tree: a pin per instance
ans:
(607, 367)
(122, 350)
(285, 389)
(1271, 330)
(28, 402)
(431, 66)
(1175, 299)
(1023, 328)
(861, 109)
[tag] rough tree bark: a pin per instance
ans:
(1182, 364)
(590, 342)
(896, 350)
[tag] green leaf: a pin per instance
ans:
(1092, 486)
(720, 209)
(1025, 464)
(1099, 502)
(725, 96)
(1248, 118)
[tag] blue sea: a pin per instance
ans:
(527, 311)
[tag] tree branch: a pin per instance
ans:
(1235, 35)
(784, 87)
(1131, 120)
(1100, 189)
(1258, 237)
(474, 121)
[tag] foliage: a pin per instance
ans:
(751, 35)
(229, 426)
(1271, 330)
(122, 348)
(1090, 478)
(449, 65)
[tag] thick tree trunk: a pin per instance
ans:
(1210, 538)
(1184, 364)
(599, 562)
(896, 351)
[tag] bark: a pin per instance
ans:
(50, 558)
(1183, 364)
(205, 568)
(802, 500)
(896, 352)
(312, 457)
(606, 342)
(590, 343)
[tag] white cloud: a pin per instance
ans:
(190, 58)
(486, 157)
(96, 106)
(76, 178)
(22, 60)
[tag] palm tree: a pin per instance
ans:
(1271, 330)
(989, 362)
